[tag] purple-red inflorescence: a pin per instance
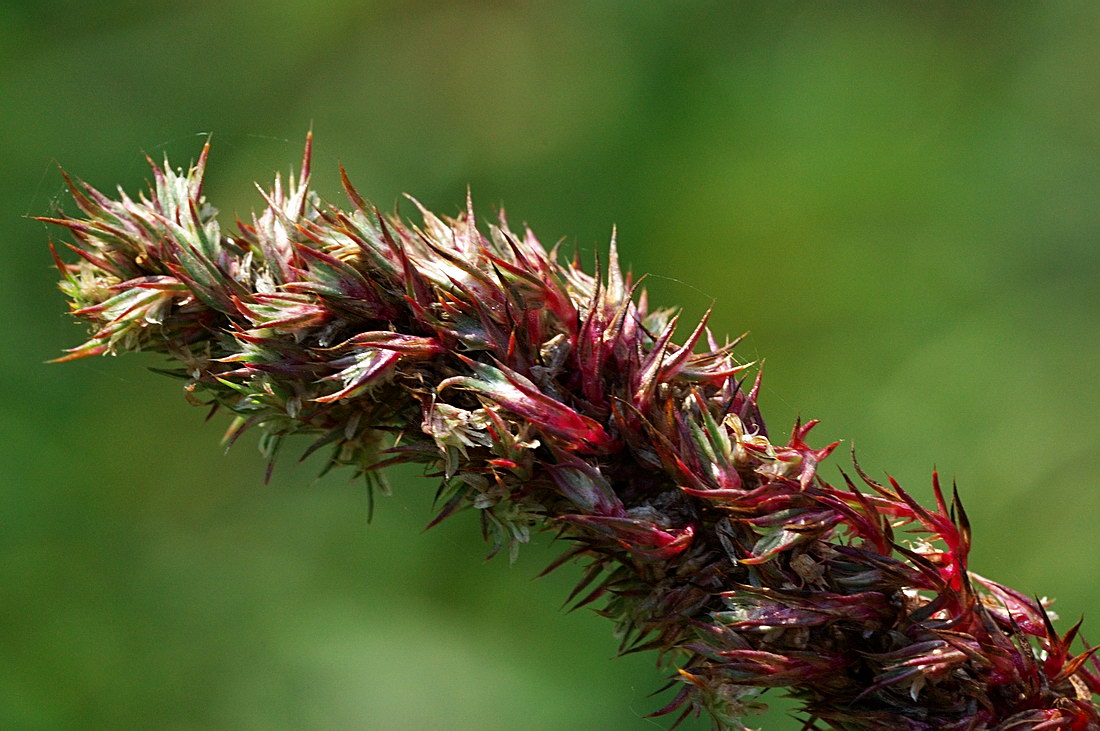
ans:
(546, 398)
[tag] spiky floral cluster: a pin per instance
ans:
(546, 398)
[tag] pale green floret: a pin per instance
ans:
(455, 429)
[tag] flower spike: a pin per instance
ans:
(546, 398)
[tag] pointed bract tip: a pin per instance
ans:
(307, 157)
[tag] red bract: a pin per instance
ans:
(547, 398)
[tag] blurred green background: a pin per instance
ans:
(898, 200)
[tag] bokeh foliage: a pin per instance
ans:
(897, 200)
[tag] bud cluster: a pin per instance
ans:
(545, 398)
